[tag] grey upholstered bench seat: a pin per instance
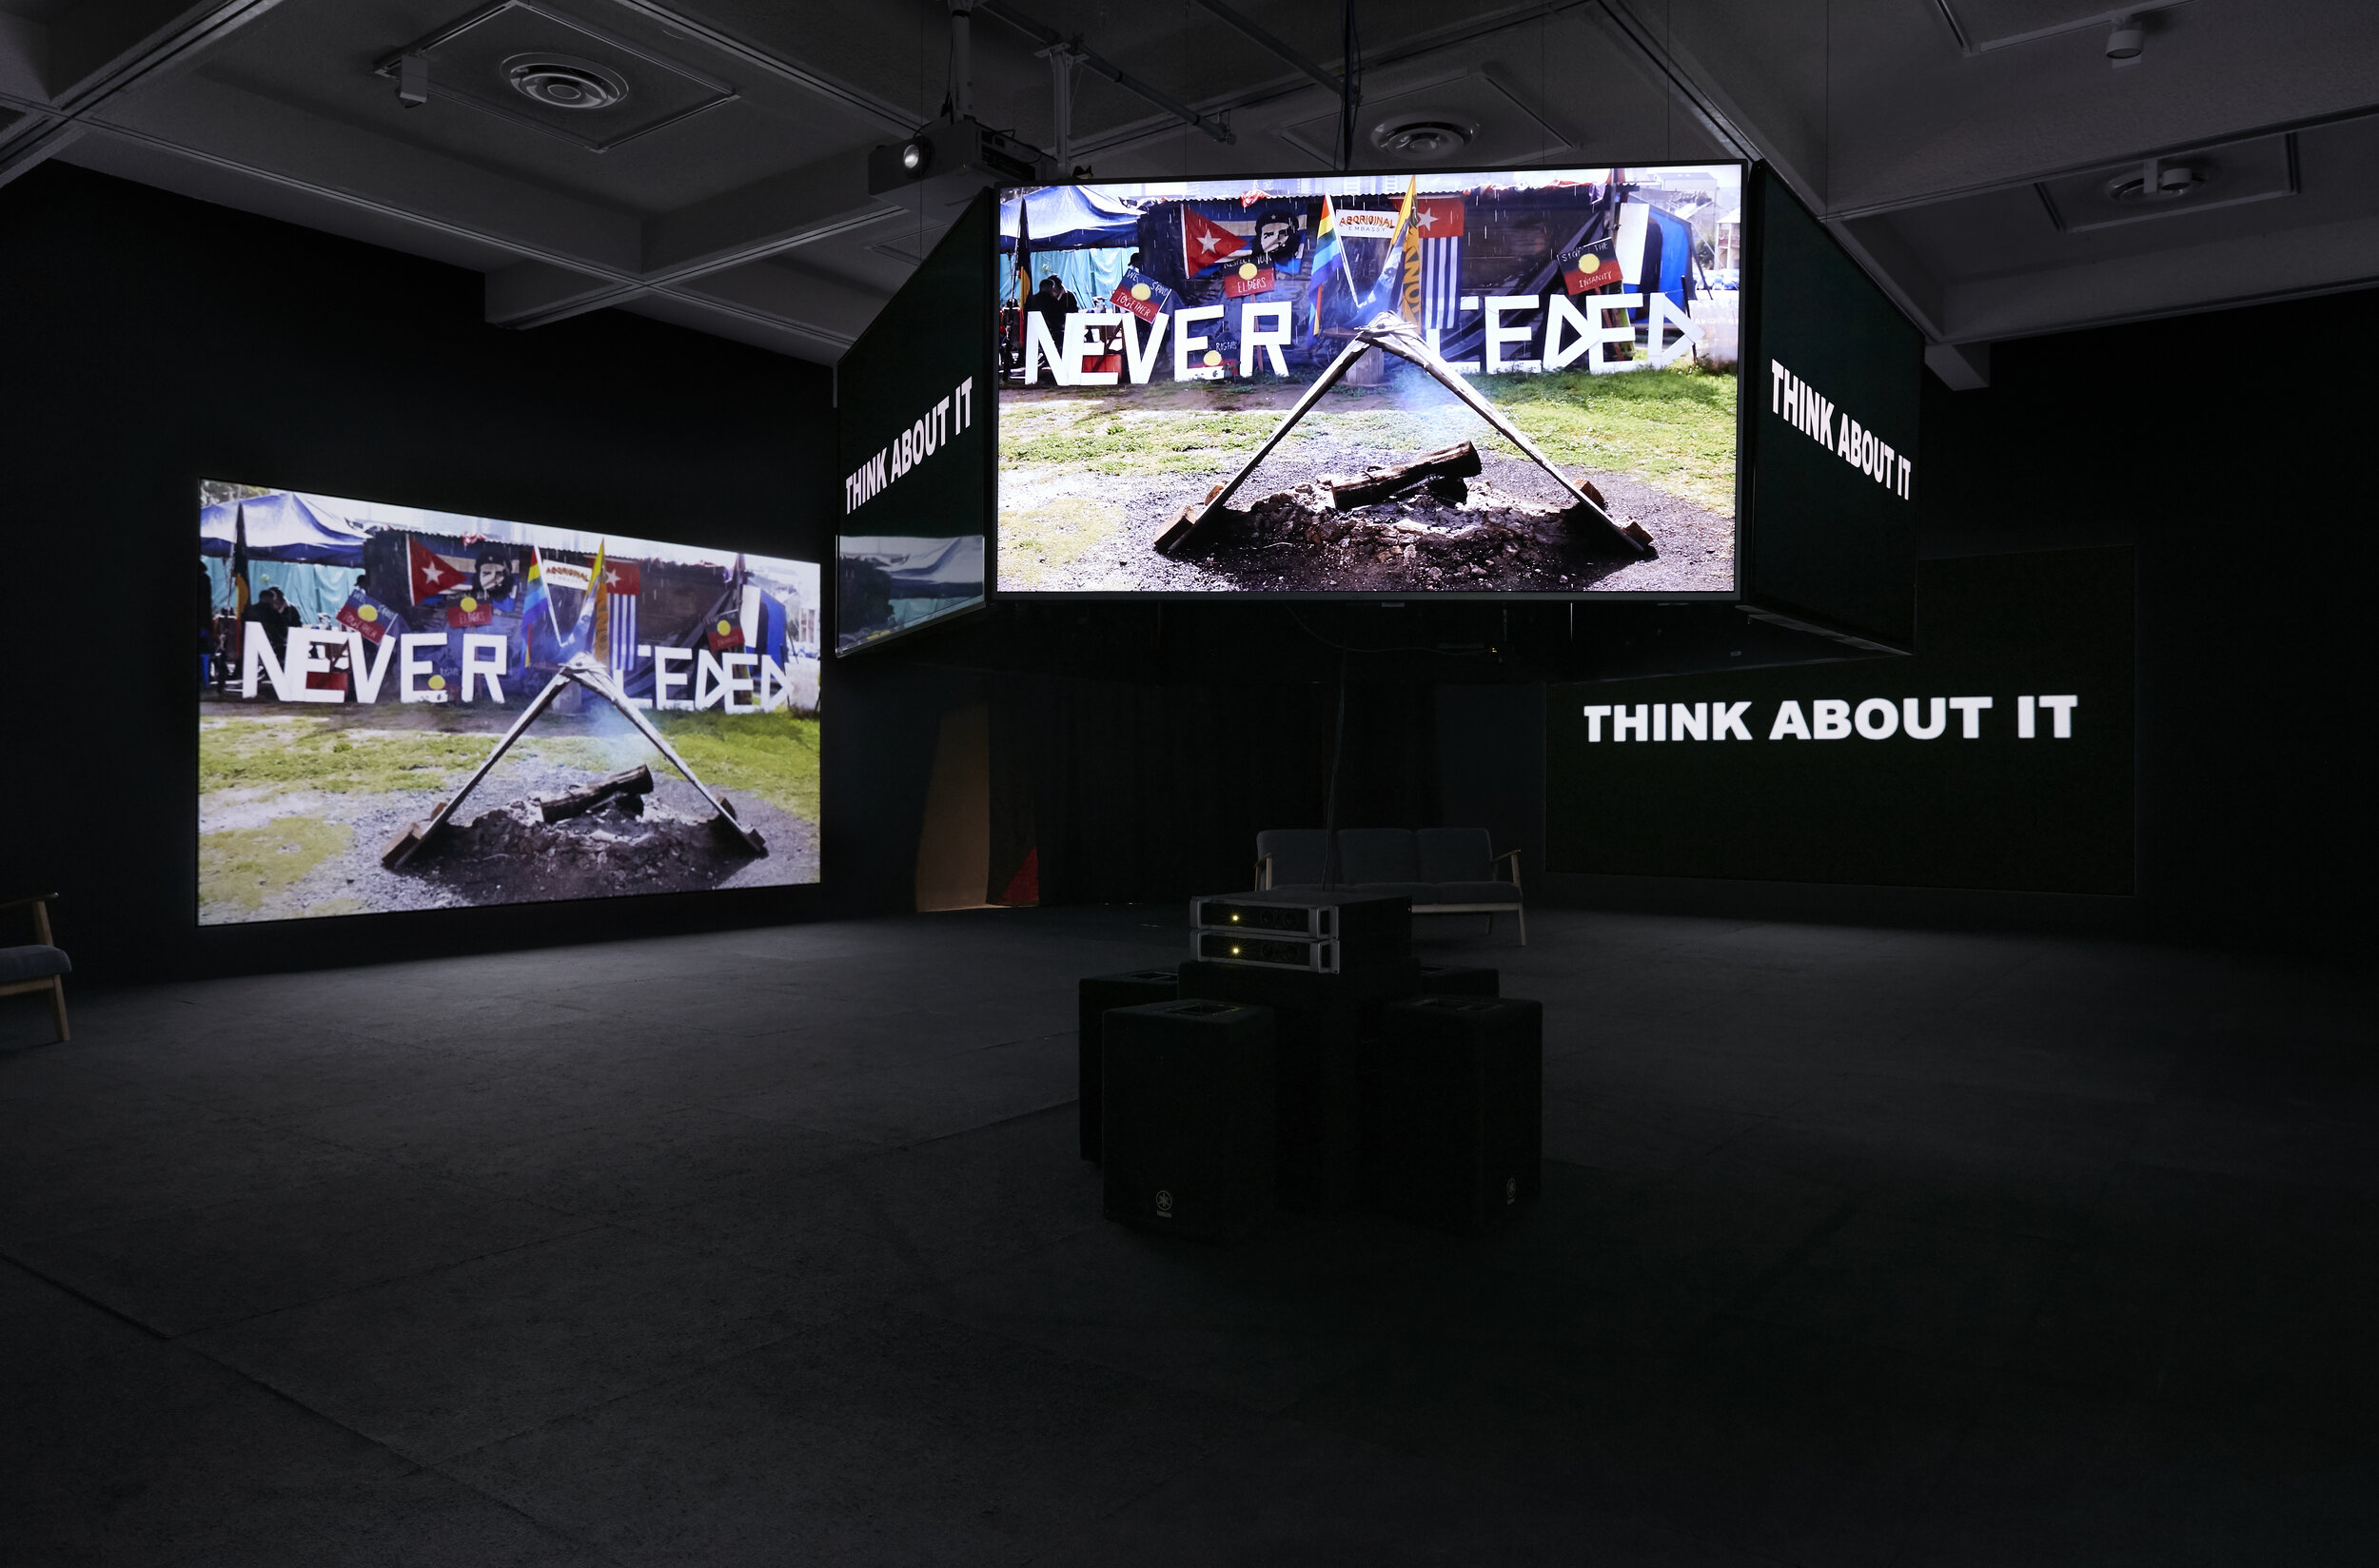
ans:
(1443, 871)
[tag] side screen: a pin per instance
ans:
(406, 710)
(1999, 755)
(1831, 371)
(1502, 382)
(910, 418)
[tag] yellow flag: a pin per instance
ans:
(1409, 306)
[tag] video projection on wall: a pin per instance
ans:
(1467, 383)
(402, 708)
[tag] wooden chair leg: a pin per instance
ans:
(1522, 915)
(57, 1007)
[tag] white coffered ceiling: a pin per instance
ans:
(1963, 150)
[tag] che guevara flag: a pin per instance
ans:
(1207, 244)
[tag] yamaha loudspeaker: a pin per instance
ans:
(1462, 1098)
(1093, 997)
(1459, 980)
(1188, 1134)
(1326, 1024)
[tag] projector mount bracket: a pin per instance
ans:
(1399, 337)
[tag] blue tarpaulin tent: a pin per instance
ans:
(1070, 218)
(282, 526)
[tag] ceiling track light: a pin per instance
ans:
(2126, 41)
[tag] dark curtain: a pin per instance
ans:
(1148, 793)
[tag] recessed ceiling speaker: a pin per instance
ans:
(564, 81)
(2124, 42)
(1424, 138)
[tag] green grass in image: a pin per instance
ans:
(313, 753)
(1674, 428)
(1060, 533)
(772, 757)
(240, 868)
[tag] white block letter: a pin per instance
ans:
(1607, 336)
(1083, 345)
(1832, 718)
(1729, 716)
(1877, 719)
(2062, 715)
(1187, 343)
(408, 667)
(1789, 725)
(735, 684)
(1595, 716)
(1498, 334)
(1272, 340)
(1040, 344)
(1970, 708)
(1140, 358)
(664, 678)
(1664, 313)
(483, 659)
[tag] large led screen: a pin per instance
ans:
(403, 710)
(1482, 382)
(909, 424)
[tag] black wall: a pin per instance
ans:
(150, 339)
(2244, 484)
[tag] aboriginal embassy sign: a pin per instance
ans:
(1997, 755)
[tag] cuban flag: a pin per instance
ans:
(1205, 244)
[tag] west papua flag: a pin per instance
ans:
(1438, 218)
(364, 614)
(1207, 244)
(431, 574)
(621, 582)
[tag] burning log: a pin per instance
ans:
(1443, 472)
(634, 782)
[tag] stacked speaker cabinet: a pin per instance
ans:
(1326, 1023)
(1461, 1109)
(1187, 1119)
(1093, 998)
(1460, 980)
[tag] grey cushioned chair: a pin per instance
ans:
(37, 968)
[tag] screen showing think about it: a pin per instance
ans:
(1469, 384)
(402, 708)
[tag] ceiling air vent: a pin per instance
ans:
(531, 64)
(1424, 139)
(557, 81)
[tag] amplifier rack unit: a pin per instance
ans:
(1266, 951)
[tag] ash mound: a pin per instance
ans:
(1449, 534)
(623, 845)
